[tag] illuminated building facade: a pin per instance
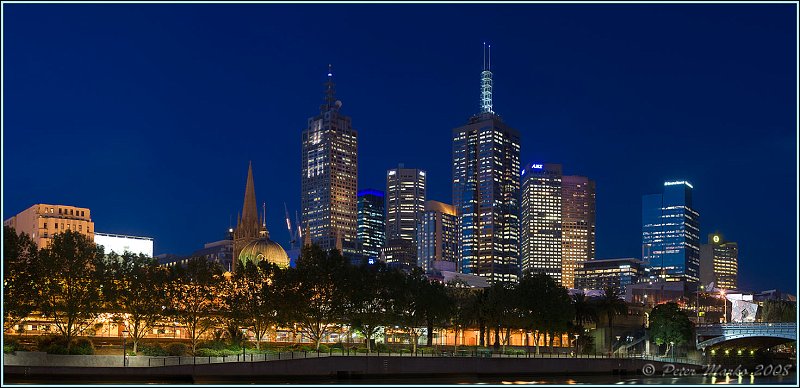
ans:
(399, 253)
(541, 219)
(599, 274)
(577, 225)
(671, 234)
(371, 221)
(329, 177)
(42, 221)
(486, 167)
(120, 244)
(436, 248)
(405, 203)
(719, 262)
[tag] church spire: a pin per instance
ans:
(249, 209)
(486, 81)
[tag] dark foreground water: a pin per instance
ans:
(791, 379)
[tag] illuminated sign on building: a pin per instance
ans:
(120, 244)
(679, 183)
(536, 166)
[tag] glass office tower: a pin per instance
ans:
(541, 219)
(671, 234)
(371, 222)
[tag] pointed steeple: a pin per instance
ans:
(249, 209)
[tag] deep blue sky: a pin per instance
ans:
(148, 114)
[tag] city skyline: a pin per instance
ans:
(147, 160)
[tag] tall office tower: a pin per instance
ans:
(329, 177)
(719, 262)
(671, 234)
(486, 192)
(577, 225)
(405, 202)
(42, 221)
(436, 247)
(541, 219)
(371, 222)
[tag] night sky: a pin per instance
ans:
(148, 114)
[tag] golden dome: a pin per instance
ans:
(264, 249)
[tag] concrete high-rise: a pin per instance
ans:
(577, 225)
(371, 221)
(42, 221)
(437, 244)
(719, 262)
(542, 220)
(486, 167)
(405, 202)
(328, 185)
(671, 234)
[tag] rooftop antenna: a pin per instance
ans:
(486, 82)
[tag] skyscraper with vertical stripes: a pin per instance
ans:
(329, 177)
(486, 191)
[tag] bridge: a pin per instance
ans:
(749, 334)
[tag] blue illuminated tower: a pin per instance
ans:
(371, 221)
(486, 170)
(671, 234)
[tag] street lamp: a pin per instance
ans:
(576, 343)
(618, 343)
(124, 351)
(725, 303)
(672, 349)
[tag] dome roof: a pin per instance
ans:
(264, 249)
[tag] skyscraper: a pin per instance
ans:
(671, 234)
(577, 225)
(719, 262)
(329, 176)
(371, 221)
(405, 202)
(542, 219)
(486, 191)
(437, 244)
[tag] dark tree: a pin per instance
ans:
(465, 308)
(193, 296)
(20, 281)
(611, 305)
(251, 299)
(670, 325)
(136, 290)
(584, 310)
(314, 291)
(71, 281)
(369, 299)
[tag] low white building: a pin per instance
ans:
(120, 244)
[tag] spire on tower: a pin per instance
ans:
(486, 81)
(330, 92)
(249, 209)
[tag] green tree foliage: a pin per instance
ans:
(464, 312)
(136, 290)
(501, 311)
(193, 296)
(585, 311)
(251, 299)
(368, 299)
(410, 307)
(20, 280)
(314, 291)
(669, 325)
(544, 306)
(779, 311)
(611, 305)
(71, 281)
(437, 307)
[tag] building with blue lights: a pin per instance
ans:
(671, 234)
(486, 165)
(371, 222)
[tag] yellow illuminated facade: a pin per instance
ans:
(719, 262)
(42, 221)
